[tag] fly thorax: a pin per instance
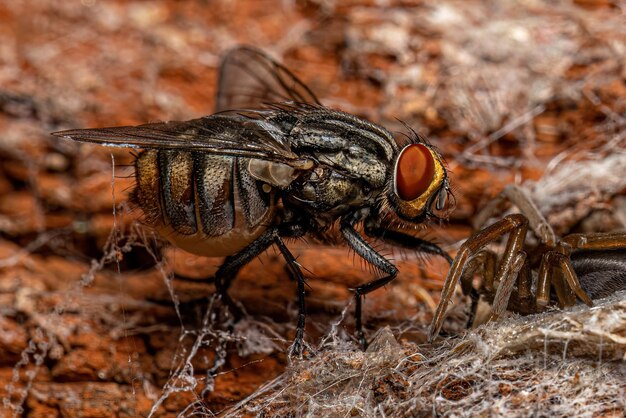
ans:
(327, 190)
(360, 162)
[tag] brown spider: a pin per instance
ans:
(578, 265)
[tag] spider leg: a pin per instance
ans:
(467, 286)
(516, 225)
(522, 298)
(543, 283)
(503, 294)
(489, 272)
(596, 241)
(519, 197)
(549, 261)
(511, 264)
(525, 283)
(560, 258)
(483, 262)
(564, 293)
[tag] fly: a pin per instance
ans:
(274, 163)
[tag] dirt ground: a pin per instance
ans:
(92, 323)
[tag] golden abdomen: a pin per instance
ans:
(205, 204)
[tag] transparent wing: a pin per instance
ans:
(224, 134)
(249, 79)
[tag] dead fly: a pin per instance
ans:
(583, 266)
(274, 163)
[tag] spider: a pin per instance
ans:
(583, 266)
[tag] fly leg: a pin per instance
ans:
(372, 229)
(294, 269)
(365, 251)
(232, 264)
(404, 240)
(410, 242)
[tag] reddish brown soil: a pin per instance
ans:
(106, 345)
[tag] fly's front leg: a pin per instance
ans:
(231, 266)
(365, 251)
(403, 240)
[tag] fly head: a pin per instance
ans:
(419, 182)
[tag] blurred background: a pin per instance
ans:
(530, 92)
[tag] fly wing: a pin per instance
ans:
(249, 79)
(227, 134)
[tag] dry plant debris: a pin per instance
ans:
(553, 364)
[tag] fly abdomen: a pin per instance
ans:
(165, 190)
(177, 190)
(206, 204)
(255, 203)
(214, 174)
(147, 195)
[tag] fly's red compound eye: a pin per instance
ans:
(414, 172)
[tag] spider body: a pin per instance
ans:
(600, 273)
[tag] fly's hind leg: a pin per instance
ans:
(232, 264)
